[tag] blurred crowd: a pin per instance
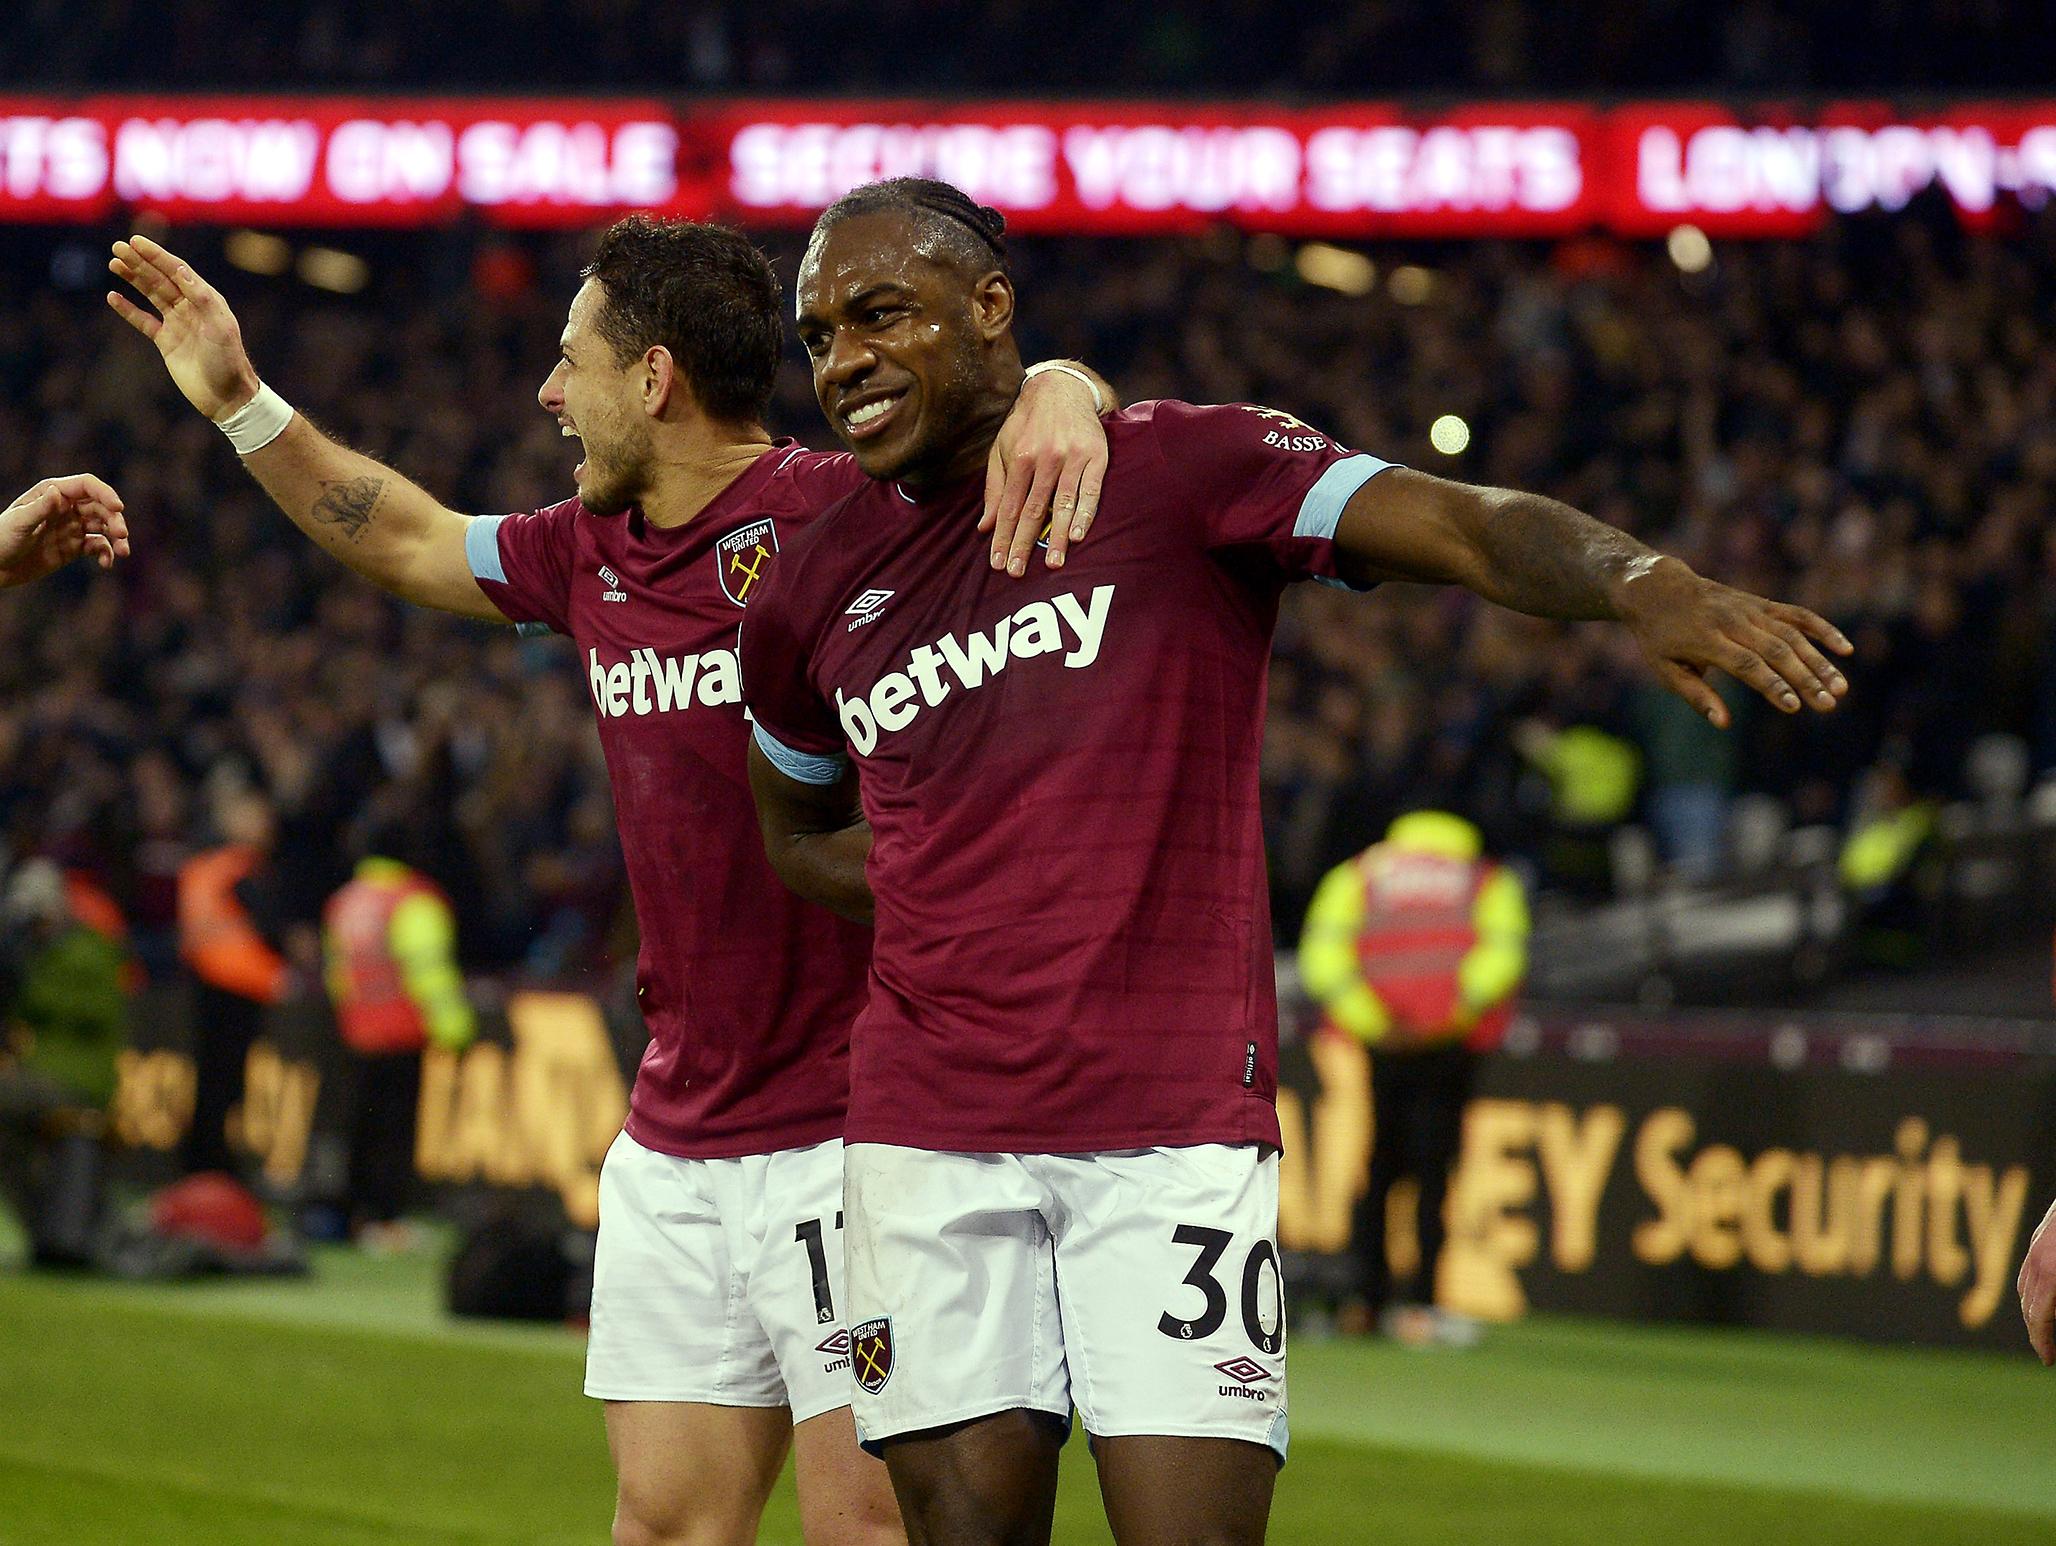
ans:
(1864, 423)
(232, 660)
(1063, 47)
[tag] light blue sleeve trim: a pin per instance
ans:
(482, 552)
(482, 548)
(1321, 511)
(803, 767)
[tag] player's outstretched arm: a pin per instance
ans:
(1541, 557)
(815, 836)
(2037, 1286)
(392, 532)
(1050, 456)
(58, 520)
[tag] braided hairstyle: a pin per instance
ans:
(950, 223)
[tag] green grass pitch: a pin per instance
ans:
(344, 1411)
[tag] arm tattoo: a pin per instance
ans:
(349, 504)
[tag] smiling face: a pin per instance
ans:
(599, 400)
(913, 357)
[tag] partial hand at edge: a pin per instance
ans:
(56, 521)
(2037, 1287)
(1688, 625)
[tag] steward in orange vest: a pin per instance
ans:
(237, 975)
(1417, 947)
(216, 937)
(1418, 939)
(390, 943)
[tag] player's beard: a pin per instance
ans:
(953, 402)
(615, 479)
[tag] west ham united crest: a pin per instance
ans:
(740, 558)
(871, 1353)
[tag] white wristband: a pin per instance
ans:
(1098, 398)
(258, 422)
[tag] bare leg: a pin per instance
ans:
(690, 1474)
(845, 1495)
(1186, 1492)
(988, 1482)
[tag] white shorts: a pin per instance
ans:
(720, 1280)
(1143, 1284)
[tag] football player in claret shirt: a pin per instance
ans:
(717, 1325)
(1061, 1153)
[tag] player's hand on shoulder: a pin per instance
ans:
(192, 326)
(1043, 478)
(56, 521)
(1688, 625)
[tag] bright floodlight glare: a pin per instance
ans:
(327, 269)
(1412, 285)
(256, 252)
(1336, 268)
(1449, 435)
(1690, 249)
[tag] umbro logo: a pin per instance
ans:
(612, 581)
(1247, 1371)
(835, 1353)
(865, 608)
(1251, 1379)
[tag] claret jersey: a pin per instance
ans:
(1072, 945)
(748, 992)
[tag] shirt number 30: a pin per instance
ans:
(1266, 1331)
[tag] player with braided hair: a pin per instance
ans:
(946, 219)
(946, 226)
(1060, 1165)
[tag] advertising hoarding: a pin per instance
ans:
(1361, 170)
